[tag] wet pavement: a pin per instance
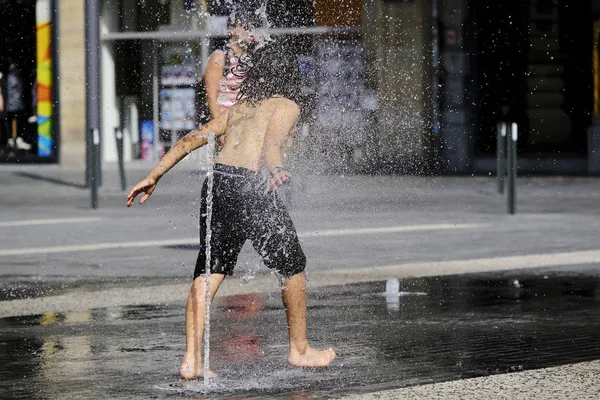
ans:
(92, 301)
(437, 329)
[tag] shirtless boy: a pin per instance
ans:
(246, 205)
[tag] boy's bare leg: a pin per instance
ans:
(192, 367)
(294, 301)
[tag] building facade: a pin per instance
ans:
(401, 86)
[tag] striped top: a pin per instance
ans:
(229, 85)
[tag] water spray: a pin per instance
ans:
(209, 206)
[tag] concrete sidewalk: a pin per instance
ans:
(575, 381)
(91, 301)
(34, 184)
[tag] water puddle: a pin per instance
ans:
(465, 326)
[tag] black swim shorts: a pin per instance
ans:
(243, 211)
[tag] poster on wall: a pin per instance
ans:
(43, 84)
(177, 99)
(177, 75)
(177, 110)
(307, 75)
(147, 140)
(339, 93)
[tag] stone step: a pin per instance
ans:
(544, 43)
(548, 125)
(546, 57)
(544, 84)
(544, 26)
(545, 69)
(545, 100)
(543, 10)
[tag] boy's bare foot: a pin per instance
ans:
(311, 357)
(188, 371)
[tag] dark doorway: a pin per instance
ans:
(531, 63)
(18, 48)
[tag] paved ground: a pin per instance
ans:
(101, 291)
(576, 381)
(437, 329)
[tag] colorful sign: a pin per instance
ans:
(177, 111)
(44, 78)
(147, 140)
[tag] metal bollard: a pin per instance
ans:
(119, 139)
(94, 178)
(501, 155)
(512, 166)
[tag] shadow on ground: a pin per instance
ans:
(50, 179)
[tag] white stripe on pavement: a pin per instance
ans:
(187, 241)
(93, 247)
(49, 221)
(115, 297)
(388, 229)
(431, 268)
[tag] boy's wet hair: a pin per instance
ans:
(271, 70)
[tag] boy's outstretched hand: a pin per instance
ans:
(145, 186)
(280, 178)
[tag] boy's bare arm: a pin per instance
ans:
(185, 145)
(279, 131)
(190, 142)
(212, 77)
(280, 127)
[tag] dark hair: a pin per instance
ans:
(270, 70)
(245, 18)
